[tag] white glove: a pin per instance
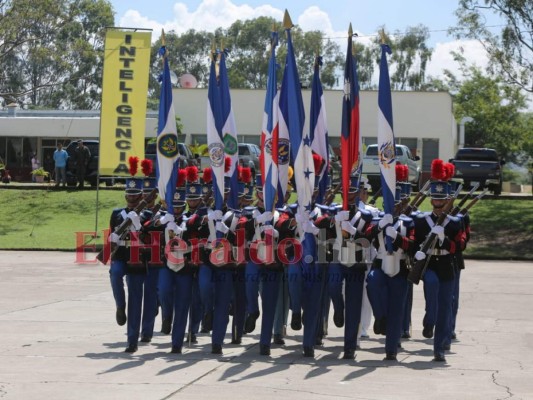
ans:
(221, 227)
(183, 226)
(113, 238)
(346, 226)
(165, 219)
(214, 215)
(171, 226)
(135, 220)
(391, 232)
(256, 214)
(439, 231)
(266, 216)
(420, 255)
(309, 227)
(269, 229)
(386, 220)
(342, 216)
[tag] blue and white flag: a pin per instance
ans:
(229, 131)
(215, 141)
(167, 139)
(386, 143)
(270, 135)
(318, 129)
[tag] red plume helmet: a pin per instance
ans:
(450, 171)
(147, 167)
(192, 174)
(227, 164)
(208, 175)
(182, 176)
(239, 173)
(133, 162)
(246, 175)
(399, 172)
(317, 161)
(438, 172)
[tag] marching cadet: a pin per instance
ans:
(166, 295)
(366, 310)
(348, 265)
(439, 275)
(121, 245)
(141, 278)
(459, 264)
(178, 274)
(263, 268)
(387, 281)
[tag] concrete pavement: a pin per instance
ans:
(59, 340)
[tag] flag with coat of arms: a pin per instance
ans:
(386, 142)
(167, 137)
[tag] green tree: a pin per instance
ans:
(51, 52)
(511, 51)
(495, 107)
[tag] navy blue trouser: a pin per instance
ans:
(165, 291)
(117, 272)
(354, 279)
(438, 294)
(197, 309)
(222, 280)
(406, 323)
(206, 287)
(239, 303)
(142, 303)
(282, 305)
(387, 296)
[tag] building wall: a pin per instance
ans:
(416, 115)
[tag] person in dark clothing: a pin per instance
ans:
(83, 156)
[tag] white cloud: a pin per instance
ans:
(442, 58)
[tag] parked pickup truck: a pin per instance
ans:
(479, 165)
(403, 156)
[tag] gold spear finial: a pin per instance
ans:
(213, 48)
(162, 37)
(382, 35)
(350, 30)
(287, 22)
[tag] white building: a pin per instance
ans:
(422, 120)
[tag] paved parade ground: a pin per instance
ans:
(59, 340)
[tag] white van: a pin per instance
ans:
(403, 156)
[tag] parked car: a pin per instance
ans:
(479, 165)
(249, 156)
(187, 158)
(403, 156)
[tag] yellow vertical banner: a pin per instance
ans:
(124, 96)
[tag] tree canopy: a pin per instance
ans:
(511, 50)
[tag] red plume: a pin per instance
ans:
(405, 173)
(438, 173)
(147, 167)
(182, 176)
(246, 175)
(399, 172)
(317, 161)
(208, 175)
(192, 174)
(133, 161)
(239, 173)
(450, 171)
(227, 164)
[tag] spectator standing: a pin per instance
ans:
(83, 155)
(34, 165)
(60, 161)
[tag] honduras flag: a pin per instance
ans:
(167, 139)
(318, 129)
(386, 143)
(350, 135)
(270, 135)
(291, 120)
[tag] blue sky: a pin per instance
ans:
(331, 16)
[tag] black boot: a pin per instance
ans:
(264, 350)
(121, 316)
(296, 321)
(249, 324)
(166, 326)
(216, 349)
(278, 339)
(132, 348)
(309, 351)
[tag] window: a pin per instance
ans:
(198, 138)
(2, 149)
(254, 139)
(244, 151)
(14, 153)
